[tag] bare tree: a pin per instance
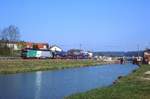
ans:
(4, 35)
(0, 35)
(10, 33)
(8, 36)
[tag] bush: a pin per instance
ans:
(5, 51)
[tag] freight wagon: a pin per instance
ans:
(34, 53)
(79, 54)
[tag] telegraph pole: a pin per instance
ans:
(80, 46)
(138, 47)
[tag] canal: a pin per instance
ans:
(59, 83)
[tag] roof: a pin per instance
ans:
(54, 46)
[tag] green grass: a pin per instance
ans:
(130, 87)
(17, 66)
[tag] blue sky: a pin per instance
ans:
(99, 25)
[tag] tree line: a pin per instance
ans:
(10, 34)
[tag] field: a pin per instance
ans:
(19, 65)
(134, 86)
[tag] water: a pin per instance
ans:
(59, 83)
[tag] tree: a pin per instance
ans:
(7, 35)
(10, 33)
(0, 34)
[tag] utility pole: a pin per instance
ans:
(80, 46)
(138, 47)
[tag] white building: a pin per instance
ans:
(55, 48)
(90, 54)
(14, 46)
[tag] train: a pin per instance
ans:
(29, 53)
(36, 54)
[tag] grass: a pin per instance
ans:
(17, 66)
(130, 87)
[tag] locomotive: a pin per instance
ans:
(36, 54)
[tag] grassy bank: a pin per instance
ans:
(134, 86)
(17, 66)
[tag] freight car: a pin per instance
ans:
(34, 53)
(79, 54)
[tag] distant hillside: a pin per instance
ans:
(119, 54)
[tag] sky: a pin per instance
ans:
(96, 25)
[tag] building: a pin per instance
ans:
(55, 48)
(21, 45)
(28, 45)
(11, 44)
(41, 46)
(88, 54)
(147, 56)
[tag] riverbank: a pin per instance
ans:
(19, 65)
(134, 86)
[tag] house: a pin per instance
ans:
(12, 44)
(42, 46)
(21, 45)
(28, 45)
(55, 48)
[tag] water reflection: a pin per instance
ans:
(38, 82)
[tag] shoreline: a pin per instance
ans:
(132, 86)
(21, 66)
